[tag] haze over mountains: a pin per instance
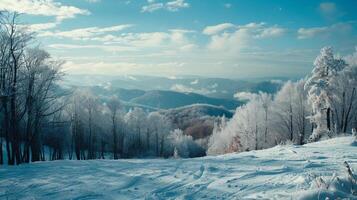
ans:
(165, 93)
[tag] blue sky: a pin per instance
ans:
(216, 38)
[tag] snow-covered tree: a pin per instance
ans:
(343, 100)
(159, 127)
(247, 130)
(136, 121)
(326, 66)
(290, 112)
(114, 106)
(182, 144)
(90, 103)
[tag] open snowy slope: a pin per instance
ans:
(282, 172)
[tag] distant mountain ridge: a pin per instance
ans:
(169, 99)
(160, 99)
(210, 87)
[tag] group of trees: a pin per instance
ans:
(27, 92)
(321, 105)
(102, 128)
(42, 121)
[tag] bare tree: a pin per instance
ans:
(114, 106)
(14, 41)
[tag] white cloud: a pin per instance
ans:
(277, 81)
(39, 27)
(172, 6)
(42, 7)
(152, 7)
(108, 48)
(174, 39)
(227, 5)
(121, 67)
(330, 11)
(176, 5)
(271, 32)
(241, 36)
(326, 31)
(185, 89)
(100, 67)
(243, 96)
(211, 30)
(328, 7)
(304, 33)
(85, 33)
(93, 1)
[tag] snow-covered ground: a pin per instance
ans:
(282, 172)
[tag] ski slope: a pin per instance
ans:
(282, 172)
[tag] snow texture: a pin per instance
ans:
(282, 172)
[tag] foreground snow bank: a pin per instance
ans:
(282, 172)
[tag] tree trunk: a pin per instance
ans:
(102, 146)
(157, 142)
(115, 145)
(35, 141)
(302, 133)
(291, 124)
(7, 136)
(328, 118)
(1, 152)
(147, 139)
(162, 146)
(266, 127)
(345, 125)
(115, 140)
(256, 137)
(90, 153)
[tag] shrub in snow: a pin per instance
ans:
(333, 187)
(176, 155)
(184, 145)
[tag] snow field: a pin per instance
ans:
(282, 172)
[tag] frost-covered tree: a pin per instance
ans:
(14, 42)
(136, 121)
(248, 129)
(182, 145)
(343, 100)
(39, 91)
(326, 66)
(114, 106)
(91, 105)
(291, 111)
(219, 140)
(77, 123)
(159, 127)
(28, 92)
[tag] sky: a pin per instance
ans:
(213, 38)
